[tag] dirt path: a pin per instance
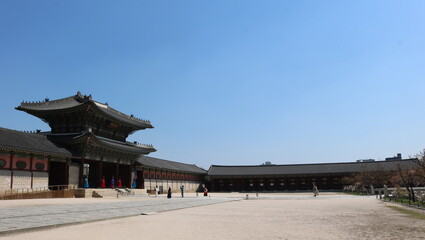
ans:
(310, 218)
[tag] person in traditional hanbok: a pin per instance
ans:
(86, 182)
(102, 182)
(112, 182)
(134, 183)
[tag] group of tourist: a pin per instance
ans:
(133, 185)
(169, 192)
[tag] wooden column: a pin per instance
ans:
(67, 171)
(142, 175)
(100, 172)
(11, 169)
(81, 177)
(131, 169)
(117, 172)
(32, 175)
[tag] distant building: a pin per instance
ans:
(326, 176)
(395, 158)
(366, 160)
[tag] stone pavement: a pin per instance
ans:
(18, 219)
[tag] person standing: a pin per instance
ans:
(182, 190)
(134, 183)
(102, 182)
(315, 190)
(119, 183)
(205, 192)
(86, 182)
(112, 182)
(156, 191)
(169, 193)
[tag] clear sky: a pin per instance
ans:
(229, 82)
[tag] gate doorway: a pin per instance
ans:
(58, 173)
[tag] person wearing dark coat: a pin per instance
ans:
(169, 193)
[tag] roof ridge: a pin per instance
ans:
(79, 97)
(22, 132)
(303, 164)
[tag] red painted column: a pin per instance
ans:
(117, 171)
(100, 172)
(32, 175)
(49, 159)
(81, 177)
(11, 169)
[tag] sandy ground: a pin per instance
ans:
(308, 218)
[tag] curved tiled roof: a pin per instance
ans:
(12, 140)
(128, 147)
(319, 168)
(169, 165)
(79, 100)
(47, 105)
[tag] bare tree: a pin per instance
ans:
(409, 178)
(420, 160)
(369, 175)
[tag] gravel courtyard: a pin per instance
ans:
(286, 216)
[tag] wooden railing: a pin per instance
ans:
(56, 191)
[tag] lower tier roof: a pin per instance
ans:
(169, 165)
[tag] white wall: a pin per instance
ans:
(5, 176)
(74, 174)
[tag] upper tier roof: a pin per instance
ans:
(12, 140)
(78, 100)
(297, 169)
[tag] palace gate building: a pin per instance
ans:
(87, 138)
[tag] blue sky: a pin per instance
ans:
(229, 82)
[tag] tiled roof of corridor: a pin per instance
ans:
(317, 168)
(169, 165)
(12, 140)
